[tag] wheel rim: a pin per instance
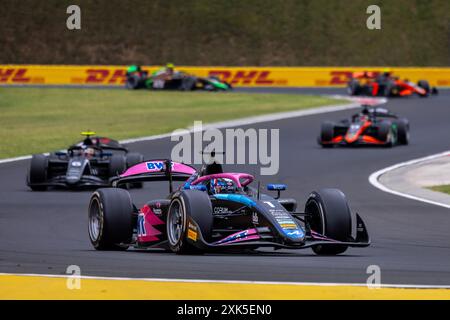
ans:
(175, 222)
(94, 220)
(316, 219)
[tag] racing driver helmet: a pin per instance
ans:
(170, 68)
(222, 185)
(89, 152)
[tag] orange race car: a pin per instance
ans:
(372, 126)
(369, 83)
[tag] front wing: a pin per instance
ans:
(86, 181)
(261, 237)
(362, 140)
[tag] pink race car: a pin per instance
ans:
(213, 210)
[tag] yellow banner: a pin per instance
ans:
(237, 76)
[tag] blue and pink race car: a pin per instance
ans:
(217, 211)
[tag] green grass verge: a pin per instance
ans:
(444, 188)
(35, 120)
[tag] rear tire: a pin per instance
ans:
(389, 89)
(188, 84)
(117, 165)
(426, 86)
(133, 159)
(38, 172)
(331, 217)
(110, 219)
(186, 205)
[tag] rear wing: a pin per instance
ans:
(155, 170)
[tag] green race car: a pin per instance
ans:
(168, 79)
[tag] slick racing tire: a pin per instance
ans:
(181, 234)
(188, 84)
(402, 131)
(133, 82)
(133, 159)
(110, 219)
(424, 85)
(389, 89)
(117, 165)
(38, 172)
(385, 133)
(353, 88)
(326, 134)
(330, 216)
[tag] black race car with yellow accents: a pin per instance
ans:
(89, 163)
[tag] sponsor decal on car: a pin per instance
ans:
(270, 204)
(221, 210)
(141, 225)
(288, 225)
(192, 235)
(298, 233)
(156, 165)
(192, 232)
(157, 211)
(249, 234)
(255, 218)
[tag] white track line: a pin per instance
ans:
(374, 178)
(255, 119)
(324, 284)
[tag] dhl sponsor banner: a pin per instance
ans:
(237, 76)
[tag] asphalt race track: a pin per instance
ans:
(45, 232)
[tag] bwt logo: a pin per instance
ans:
(105, 76)
(157, 165)
(245, 77)
(14, 75)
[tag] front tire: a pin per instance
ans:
(425, 85)
(133, 82)
(188, 205)
(326, 134)
(329, 215)
(110, 219)
(353, 88)
(38, 172)
(402, 131)
(385, 133)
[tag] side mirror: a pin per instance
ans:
(276, 187)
